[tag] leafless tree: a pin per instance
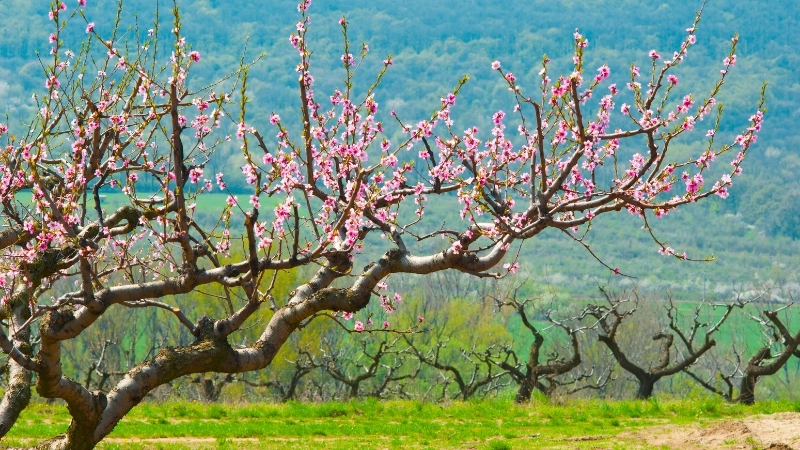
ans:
(301, 366)
(479, 376)
(98, 367)
(696, 338)
(359, 365)
(532, 373)
(211, 385)
(762, 363)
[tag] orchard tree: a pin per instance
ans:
(545, 371)
(120, 114)
(672, 359)
(779, 346)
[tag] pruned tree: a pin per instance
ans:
(211, 385)
(476, 374)
(331, 181)
(767, 360)
(532, 372)
(357, 366)
(695, 339)
(98, 367)
(300, 367)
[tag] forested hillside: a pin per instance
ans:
(755, 232)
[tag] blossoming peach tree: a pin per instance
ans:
(115, 117)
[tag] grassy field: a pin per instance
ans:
(488, 424)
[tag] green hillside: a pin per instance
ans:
(754, 233)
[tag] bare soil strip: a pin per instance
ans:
(779, 431)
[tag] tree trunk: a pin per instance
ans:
(754, 370)
(646, 386)
(747, 391)
(525, 391)
(18, 393)
(353, 391)
(80, 434)
(17, 396)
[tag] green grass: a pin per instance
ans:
(487, 424)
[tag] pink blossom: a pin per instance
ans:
(348, 60)
(693, 184)
(90, 27)
(358, 327)
(195, 56)
(496, 65)
(52, 82)
(602, 73)
(195, 174)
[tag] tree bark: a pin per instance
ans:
(646, 387)
(754, 370)
(524, 392)
(747, 390)
(18, 393)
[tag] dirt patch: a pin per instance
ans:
(776, 431)
(585, 438)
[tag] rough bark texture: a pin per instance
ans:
(18, 392)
